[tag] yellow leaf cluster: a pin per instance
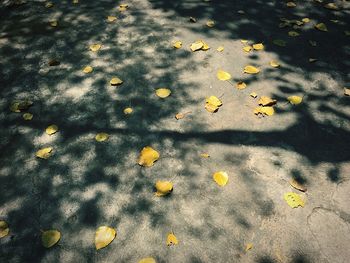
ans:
(221, 178)
(223, 75)
(53, 23)
(163, 188)
(253, 95)
(50, 237)
(247, 48)
(171, 239)
(205, 155)
(212, 104)
(163, 92)
(220, 48)
(148, 156)
(44, 153)
(104, 236)
(199, 45)
(294, 200)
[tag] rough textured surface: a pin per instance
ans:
(86, 184)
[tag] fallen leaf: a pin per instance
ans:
(148, 156)
(321, 27)
(75, 1)
(346, 91)
(205, 155)
(241, 85)
(274, 64)
(4, 229)
(53, 23)
(104, 236)
(179, 115)
(258, 46)
(223, 75)
(248, 246)
(95, 47)
(111, 18)
(220, 178)
(128, 111)
(251, 69)
(266, 101)
(50, 237)
(163, 188)
(295, 100)
(293, 34)
(88, 69)
(247, 48)
(147, 260)
(171, 239)
(210, 23)
(291, 4)
(177, 44)
(44, 153)
(280, 42)
(51, 129)
(253, 94)
(331, 6)
(27, 116)
(306, 20)
(293, 200)
(115, 81)
(269, 111)
(295, 184)
(220, 49)
(244, 41)
(163, 92)
(49, 5)
(205, 46)
(311, 60)
(192, 19)
(101, 137)
(212, 104)
(196, 45)
(123, 7)
(54, 62)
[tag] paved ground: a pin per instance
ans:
(86, 184)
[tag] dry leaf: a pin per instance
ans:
(49, 5)
(163, 92)
(50, 237)
(294, 183)
(220, 49)
(251, 69)
(220, 178)
(253, 94)
(212, 103)
(111, 18)
(27, 116)
(101, 137)
(171, 239)
(223, 75)
(295, 100)
(177, 44)
(274, 64)
(205, 155)
(248, 246)
(331, 6)
(305, 20)
(75, 1)
(88, 69)
(210, 23)
(147, 260)
(116, 81)
(163, 188)
(247, 48)
(196, 45)
(291, 4)
(51, 129)
(241, 85)
(280, 42)
(104, 236)
(269, 111)
(179, 115)
(53, 23)
(123, 7)
(95, 47)
(205, 46)
(44, 153)
(258, 46)
(128, 111)
(266, 101)
(346, 91)
(4, 229)
(148, 156)
(293, 34)
(293, 200)
(244, 41)
(321, 27)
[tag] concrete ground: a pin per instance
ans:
(86, 184)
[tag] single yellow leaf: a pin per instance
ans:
(220, 49)
(171, 239)
(258, 46)
(163, 92)
(49, 5)
(128, 111)
(101, 137)
(223, 75)
(251, 69)
(205, 155)
(115, 81)
(248, 246)
(177, 44)
(123, 7)
(27, 116)
(211, 108)
(291, 4)
(241, 85)
(295, 184)
(205, 46)
(214, 101)
(88, 69)
(295, 100)
(293, 34)
(50, 237)
(4, 229)
(274, 64)
(244, 41)
(280, 42)
(210, 23)
(294, 200)
(148, 156)
(253, 94)
(306, 20)
(321, 27)
(44, 153)
(266, 101)
(104, 236)
(220, 178)
(51, 129)
(269, 111)
(196, 45)
(111, 18)
(247, 48)
(163, 188)
(331, 6)
(95, 47)
(53, 23)
(147, 260)
(346, 91)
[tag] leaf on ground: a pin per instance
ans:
(293, 34)
(27, 116)
(223, 75)
(163, 92)
(295, 100)
(346, 91)
(101, 137)
(305, 20)
(53, 23)
(163, 188)
(248, 246)
(241, 85)
(295, 184)
(244, 41)
(123, 7)
(247, 48)
(111, 18)
(148, 156)
(75, 2)
(253, 95)
(44, 153)
(274, 64)
(205, 155)
(50, 237)
(177, 44)
(210, 23)
(115, 81)
(321, 27)
(192, 19)
(49, 4)
(147, 260)
(280, 42)
(128, 111)
(95, 47)
(51, 129)
(251, 69)
(311, 60)
(171, 240)
(196, 45)
(212, 104)
(88, 69)
(258, 46)
(267, 110)
(291, 4)
(4, 229)
(331, 6)
(266, 101)
(220, 178)
(205, 46)
(180, 116)
(220, 49)
(104, 236)
(294, 200)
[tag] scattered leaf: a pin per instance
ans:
(115, 81)
(249, 246)
(49, 5)
(123, 7)
(291, 4)
(253, 94)
(179, 115)
(101, 137)
(311, 60)
(44, 153)
(266, 101)
(205, 155)
(212, 104)
(95, 47)
(293, 200)
(51, 129)
(274, 64)
(50, 237)
(171, 239)
(4, 229)
(331, 6)
(192, 19)
(280, 42)
(177, 44)
(295, 100)
(321, 27)
(147, 260)
(223, 75)
(199, 45)
(258, 46)
(251, 69)
(220, 178)
(163, 188)
(295, 184)
(293, 34)
(210, 23)
(346, 91)
(53, 23)
(163, 92)
(205, 46)
(220, 49)
(27, 116)
(104, 236)
(247, 48)
(241, 85)
(88, 69)
(148, 156)
(111, 18)
(244, 41)
(269, 111)
(128, 111)
(306, 20)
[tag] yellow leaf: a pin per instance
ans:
(95, 47)
(205, 46)
(163, 188)
(253, 94)
(196, 45)
(266, 101)
(223, 75)
(49, 5)
(293, 200)
(247, 48)
(111, 18)
(306, 20)
(210, 23)
(220, 49)
(295, 184)
(53, 23)
(116, 81)
(171, 239)
(258, 46)
(251, 69)
(211, 108)
(291, 4)
(321, 27)
(104, 236)
(331, 6)
(75, 1)
(44, 153)
(346, 91)
(50, 237)
(274, 64)
(147, 260)
(280, 42)
(295, 100)
(264, 110)
(148, 156)
(244, 41)
(248, 246)
(27, 116)
(123, 7)
(163, 92)
(177, 44)
(214, 101)
(51, 129)
(241, 85)
(293, 34)
(205, 155)
(4, 229)
(128, 111)
(14, 107)
(88, 69)
(101, 137)
(220, 178)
